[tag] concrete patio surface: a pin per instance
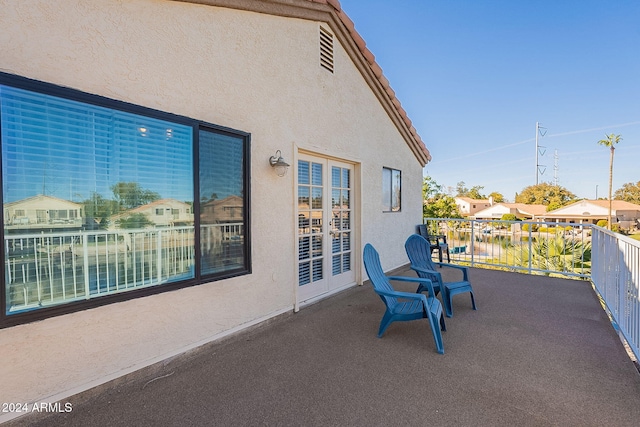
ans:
(538, 351)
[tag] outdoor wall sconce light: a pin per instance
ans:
(278, 163)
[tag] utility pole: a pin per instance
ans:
(539, 152)
(555, 168)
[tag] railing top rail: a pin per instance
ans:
(108, 232)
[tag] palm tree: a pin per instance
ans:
(610, 141)
(552, 254)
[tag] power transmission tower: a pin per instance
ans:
(555, 168)
(540, 150)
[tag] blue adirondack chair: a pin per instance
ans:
(419, 253)
(403, 306)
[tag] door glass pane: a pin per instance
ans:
(346, 178)
(346, 261)
(317, 273)
(304, 273)
(316, 198)
(304, 249)
(303, 223)
(316, 174)
(317, 246)
(346, 220)
(316, 222)
(303, 172)
(335, 198)
(346, 198)
(303, 197)
(336, 265)
(335, 244)
(335, 177)
(346, 242)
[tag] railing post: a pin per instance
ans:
(85, 256)
(159, 256)
(530, 247)
(473, 241)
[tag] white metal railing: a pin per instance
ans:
(609, 260)
(56, 268)
(616, 277)
(528, 247)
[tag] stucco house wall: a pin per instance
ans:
(468, 206)
(520, 210)
(243, 69)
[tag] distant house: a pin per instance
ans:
(625, 214)
(468, 206)
(520, 210)
(42, 212)
(162, 213)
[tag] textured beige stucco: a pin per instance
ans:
(254, 72)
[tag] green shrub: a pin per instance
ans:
(602, 223)
(508, 217)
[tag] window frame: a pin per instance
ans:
(19, 82)
(388, 205)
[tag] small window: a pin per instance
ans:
(160, 211)
(391, 190)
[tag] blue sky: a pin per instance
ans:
(475, 77)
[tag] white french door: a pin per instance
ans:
(325, 226)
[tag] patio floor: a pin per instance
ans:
(539, 351)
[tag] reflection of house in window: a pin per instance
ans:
(222, 211)
(42, 212)
(155, 212)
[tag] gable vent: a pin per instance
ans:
(326, 49)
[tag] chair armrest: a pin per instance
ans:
(425, 270)
(397, 294)
(440, 236)
(427, 282)
(465, 270)
(432, 275)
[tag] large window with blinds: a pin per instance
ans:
(105, 201)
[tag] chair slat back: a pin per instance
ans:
(419, 252)
(376, 275)
(422, 230)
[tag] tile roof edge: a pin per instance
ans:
(377, 71)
